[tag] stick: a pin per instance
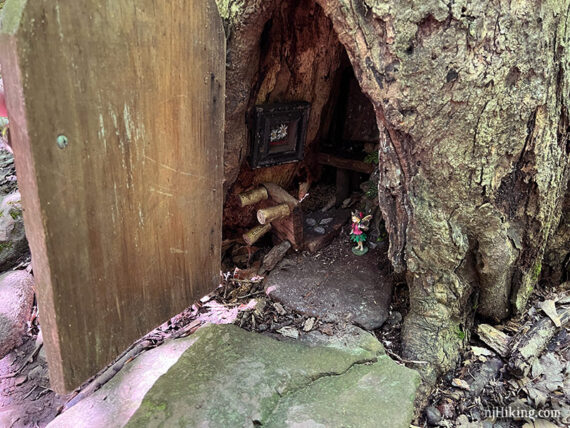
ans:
(280, 195)
(267, 215)
(253, 196)
(104, 377)
(274, 256)
(254, 234)
(527, 347)
(495, 339)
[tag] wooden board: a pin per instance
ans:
(124, 221)
(350, 164)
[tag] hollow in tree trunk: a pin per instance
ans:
(471, 99)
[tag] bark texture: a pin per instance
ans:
(278, 51)
(471, 99)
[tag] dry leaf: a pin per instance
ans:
(289, 332)
(549, 309)
(478, 351)
(309, 324)
(279, 308)
(543, 423)
(460, 383)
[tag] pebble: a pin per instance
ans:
(311, 221)
(433, 415)
(320, 230)
(325, 221)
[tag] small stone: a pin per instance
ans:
(320, 230)
(20, 380)
(311, 221)
(433, 415)
(394, 318)
(447, 410)
(325, 221)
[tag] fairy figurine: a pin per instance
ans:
(359, 225)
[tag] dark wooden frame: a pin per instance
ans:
(267, 117)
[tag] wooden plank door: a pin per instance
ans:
(116, 115)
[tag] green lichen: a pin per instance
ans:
(5, 246)
(536, 271)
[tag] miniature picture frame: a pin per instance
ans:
(280, 133)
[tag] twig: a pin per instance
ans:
(403, 360)
(108, 373)
(30, 392)
(246, 281)
(251, 294)
(29, 360)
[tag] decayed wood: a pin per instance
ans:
(280, 195)
(267, 215)
(495, 339)
(254, 234)
(527, 347)
(253, 196)
(116, 117)
(350, 164)
(274, 256)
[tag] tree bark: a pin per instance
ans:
(471, 99)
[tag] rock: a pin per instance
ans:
(347, 338)
(433, 415)
(113, 404)
(394, 318)
(326, 221)
(361, 397)
(354, 291)
(16, 301)
(320, 230)
(8, 183)
(13, 243)
(230, 377)
(311, 221)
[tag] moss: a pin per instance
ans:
(16, 213)
(460, 333)
(536, 271)
(6, 245)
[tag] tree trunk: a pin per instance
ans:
(471, 99)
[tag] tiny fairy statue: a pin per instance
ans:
(359, 225)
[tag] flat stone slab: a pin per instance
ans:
(230, 377)
(113, 404)
(365, 396)
(353, 289)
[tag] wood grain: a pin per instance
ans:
(124, 222)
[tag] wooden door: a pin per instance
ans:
(116, 115)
